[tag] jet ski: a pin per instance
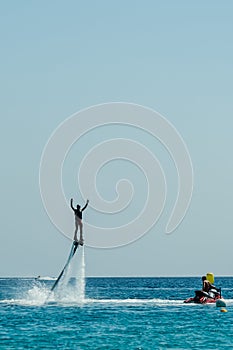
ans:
(202, 297)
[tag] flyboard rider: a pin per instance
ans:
(78, 221)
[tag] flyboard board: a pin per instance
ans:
(72, 252)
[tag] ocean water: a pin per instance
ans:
(111, 313)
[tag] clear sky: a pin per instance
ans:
(176, 57)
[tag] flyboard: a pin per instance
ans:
(72, 252)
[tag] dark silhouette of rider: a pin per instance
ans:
(78, 220)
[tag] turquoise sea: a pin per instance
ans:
(112, 313)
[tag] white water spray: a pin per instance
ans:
(80, 278)
(71, 288)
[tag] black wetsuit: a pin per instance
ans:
(78, 213)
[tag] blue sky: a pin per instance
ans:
(59, 57)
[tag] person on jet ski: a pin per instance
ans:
(206, 285)
(208, 294)
(209, 288)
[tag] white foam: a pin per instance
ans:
(135, 301)
(34, 297)
(41, 296)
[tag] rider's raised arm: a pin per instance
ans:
(85, 205)
(71, 204)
